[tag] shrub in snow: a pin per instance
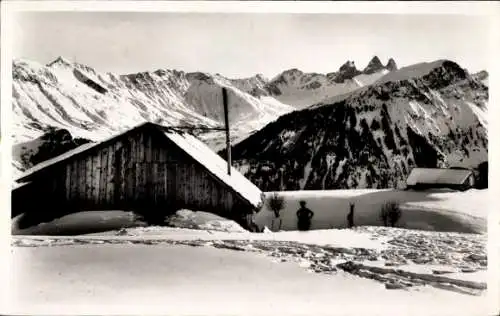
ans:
(276, 203)
(390, 213)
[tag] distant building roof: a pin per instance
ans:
(437, 176)
(187, 142)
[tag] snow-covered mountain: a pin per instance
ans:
(93, 105)
(88, 103)
(300, 89)
(428, 114)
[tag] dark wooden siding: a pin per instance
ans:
(141, 170)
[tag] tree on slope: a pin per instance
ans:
(390, 213)
(276, 203)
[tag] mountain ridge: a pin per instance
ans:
(425, 115)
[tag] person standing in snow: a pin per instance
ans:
(304, 216)
(350, 216)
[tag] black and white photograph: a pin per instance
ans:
(237, 158)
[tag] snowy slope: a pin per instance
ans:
(55, 95)
(426, 115)
(301, 89)
(95, 105)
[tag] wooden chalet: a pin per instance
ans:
(428, 178)
(148, 167)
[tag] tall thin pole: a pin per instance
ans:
(228, 138)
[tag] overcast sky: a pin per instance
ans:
(239, 45)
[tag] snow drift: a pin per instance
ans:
(122, 222)
(203, 220)
(77, 223)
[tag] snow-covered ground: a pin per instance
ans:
(367, 270)
(439, 210)
(226, 270)
(164, 279)
(421, 257)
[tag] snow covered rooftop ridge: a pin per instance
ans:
(437, 176)
(216, 165)
(187, 142)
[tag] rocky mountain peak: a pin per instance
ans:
(373, 66)
(347, 71)
(391, 65)
(60, 61)
(347, 66)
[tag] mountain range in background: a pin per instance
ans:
(425, 115)
(299, 89)
(345, 129)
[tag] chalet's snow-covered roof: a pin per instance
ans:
(216, 165)
(188, 143)
(437, 176)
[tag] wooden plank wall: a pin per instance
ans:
(143, 170)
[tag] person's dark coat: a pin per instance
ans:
(304, 216)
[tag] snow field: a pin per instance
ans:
(438, 210)
(395, 258)
(64, 101)
(405, 260)
(173, 280)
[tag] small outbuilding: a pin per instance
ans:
(429, 178)
(148, 167)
